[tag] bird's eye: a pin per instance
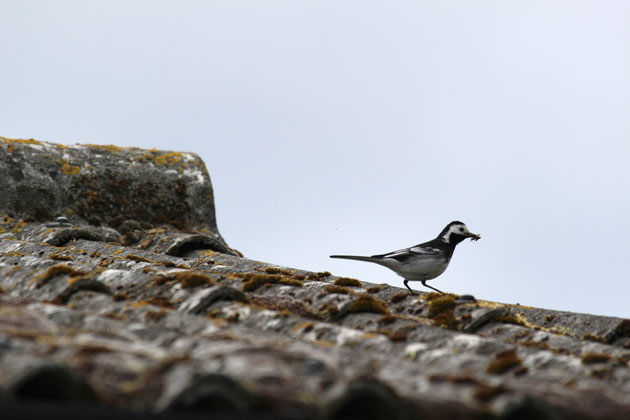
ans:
(461, 229)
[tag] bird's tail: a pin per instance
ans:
(354, 257)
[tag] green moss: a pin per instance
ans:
(188, 279)
(441, 304)
(348, 282)
(534, 344)
(504, 361)
(434, 295)
(318, 276)
(622, 329)
(276, 270)
(590, 358)
(333, 288)
(374, 289)
(593, 337)
(388, 319)
(155, 316)
(328, 309)
(398, 335)
(160, 301)
(486, 393)
(367, 303)
(399, 297)
(60, 257)
(509, 319)
(252, 281)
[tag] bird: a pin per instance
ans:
(424, 261)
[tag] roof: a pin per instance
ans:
(132, 300)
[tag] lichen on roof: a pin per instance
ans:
(148, 309)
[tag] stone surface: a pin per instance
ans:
(126, 311)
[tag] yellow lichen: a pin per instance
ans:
(18, 228)
(170, 158)
(107, 147)
(68, 169)
(23, 141)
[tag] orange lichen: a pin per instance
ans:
(170, 158)
(55, 270)
(374, 289)
(19, 226)
(23, 141)
(348, 281)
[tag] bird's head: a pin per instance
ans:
(455, 232)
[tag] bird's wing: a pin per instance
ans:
(407, 253)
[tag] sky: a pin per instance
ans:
(362, 127)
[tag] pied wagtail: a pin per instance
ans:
(425, 261)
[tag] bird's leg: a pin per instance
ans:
(424, 283)
(405, 283)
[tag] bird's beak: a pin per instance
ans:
(474, 236)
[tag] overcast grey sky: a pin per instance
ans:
(361, 127)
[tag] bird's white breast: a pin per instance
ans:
(420, 268)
